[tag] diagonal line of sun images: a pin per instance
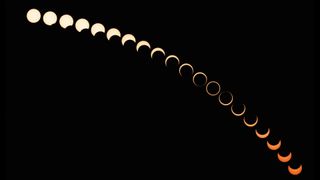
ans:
(50, 18)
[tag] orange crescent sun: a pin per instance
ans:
(296, 171)
(274, 147)
(263, 136)
(284, 159)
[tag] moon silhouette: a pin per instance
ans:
(66, 21)
(82, 24)
(238, 114)
(113, 32)
(284, 159)
(142, 43)
(186, 65)
(210, 93)
(50, 18)
(198, 74)
(172, 57)
(274, 147)
(296, 171)
(33, 15)
(98, 27)
(157, 49)
(263, 136)
(250, 125)
(128, 37)
(225, 103)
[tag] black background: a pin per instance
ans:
(78, 105)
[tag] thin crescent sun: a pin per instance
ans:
(184, 65)
(157, 49)
(274, 147)
(251, 125)
(142, 43)
(173, 57)
(225, 103)
(199, 73)
(296, 171)
(284, 159)
(113, 32)
(263, 136)
(238, 114)
(128, 37)
(210, 93)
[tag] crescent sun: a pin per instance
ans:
(142, 43)
(284, 159)
(157, 49)
(82, 24)
(215, 93)
(98, 27)
(198, 74)
(263, 136)
(113, 32)
(274, 147)
(225, 103)
(186, 65)
(66, 21)
(128, 37)
(238, 114)
(173, 57)
(296, 171)
(250, 125)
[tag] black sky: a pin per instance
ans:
(78, 105)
